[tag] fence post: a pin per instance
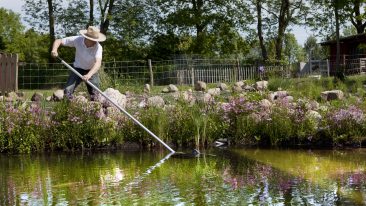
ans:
(237, 69)
(8, 72)
(15, 71)
(151, 72)
(310, 67)
(192, 75)
(2, 73)
(360, 62)
(328, 68)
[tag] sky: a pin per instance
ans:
(301, 33)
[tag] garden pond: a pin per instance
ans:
(220, 177)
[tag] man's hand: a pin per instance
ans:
(86, 77)
(54, 54)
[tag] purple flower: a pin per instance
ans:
(351, 113)
(261, 69)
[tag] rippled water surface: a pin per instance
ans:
(225, 177)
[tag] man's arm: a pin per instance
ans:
(93, 70)
(55, 46)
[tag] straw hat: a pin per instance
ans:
(93, 34)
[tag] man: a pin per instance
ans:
(88, 59)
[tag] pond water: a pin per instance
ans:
(224, 177)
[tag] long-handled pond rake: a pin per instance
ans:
(116, 104)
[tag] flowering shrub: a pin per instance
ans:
(346, 125)
(253, 122)
(81, 124)
(22, 128)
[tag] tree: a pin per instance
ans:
(283, 13)
(313, 49)
(42, 16)
(293, 52)
(34, 47)
(2, 44)
(197, 17)
(227, 42)
(258, 4)
(353, 9)
(349, 31)
(164, 46)
(29, 45)
(337, 5)
(106, 9)
(74, 17)
(51, 26)
(11, 33)
(321, 18)
(11, 30)
(91, 13)
(130, 29)
(249, 11)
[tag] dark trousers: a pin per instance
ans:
(74, 80)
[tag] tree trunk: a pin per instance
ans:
(106, 16)
(338, 69)
(337, 33)
(282, 25)
(197, 9)
(356, 19)
(259, 28)
(51, 21)
(91, 13)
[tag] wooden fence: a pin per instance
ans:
(8, 73)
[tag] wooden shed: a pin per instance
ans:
(352, 53)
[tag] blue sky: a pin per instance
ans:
(301, 33)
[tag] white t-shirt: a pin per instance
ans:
(85, 57)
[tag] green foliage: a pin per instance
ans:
(157, 120)
(78, 126)
(275, 83)
(33, 47)
(248, 130)
(198, 16)
(283, 124)
(182, 126)
(29, 45)
(74, 18)
(11, 32)
(313, 50)
(279, 128)
(164, 46)
(293, 52)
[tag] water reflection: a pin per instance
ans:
(232, 177)
(342, 173)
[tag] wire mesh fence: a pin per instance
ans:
(178, 71)
(41, 76)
